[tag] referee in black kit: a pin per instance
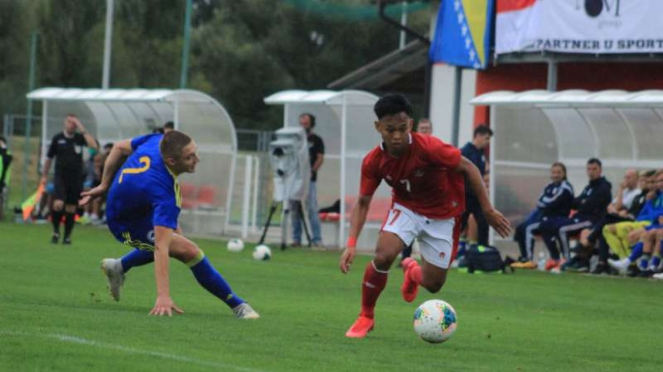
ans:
(67, 148)
(474, 152)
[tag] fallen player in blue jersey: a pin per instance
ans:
(142, 208)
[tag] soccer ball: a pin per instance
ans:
(435, 321)
(235, 245)
(262, 253)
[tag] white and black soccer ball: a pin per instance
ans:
(262, 253)
(435, 321)
(235, 245)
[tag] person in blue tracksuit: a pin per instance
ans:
(554, 202)
(590, 206)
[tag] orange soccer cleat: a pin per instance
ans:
(552, 263)
(361, 327)
(410, 287)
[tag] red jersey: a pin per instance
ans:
(422, 179)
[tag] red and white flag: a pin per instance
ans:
(579, 26)
(513, 24)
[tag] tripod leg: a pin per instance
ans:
(304, 220)
(284, 224)
(269, 220)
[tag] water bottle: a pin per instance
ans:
(541, 264)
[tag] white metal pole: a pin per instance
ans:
(256, 190)
(44, 133)
(492, 170)
(108, 41)
(401, 43)
(344, 120)
(176, 112)
(246, 202)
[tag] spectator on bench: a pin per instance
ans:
(590, 208)
(612, 234)
(554, 203)
(652, 212)
(651, 252)
(617, 211)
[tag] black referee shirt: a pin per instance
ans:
(68, 152)
(315, 147)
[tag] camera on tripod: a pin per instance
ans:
(288, 155)
(289, 158)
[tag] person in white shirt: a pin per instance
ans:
(627, 191)
(618, 211)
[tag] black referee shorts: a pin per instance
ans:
(68, 187)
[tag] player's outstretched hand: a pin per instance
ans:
(165, 306)
(498, 222)
(346, 259)
(89, 195)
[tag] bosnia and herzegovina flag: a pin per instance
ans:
(463, 33)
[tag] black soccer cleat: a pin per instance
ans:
(55, 239)
(601, 269)
(66, 240)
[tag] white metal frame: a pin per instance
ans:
(147, 96)
(328, 98)
(573, 99)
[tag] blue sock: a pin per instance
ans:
(208, 277)
(655, 261)
(644, 262)
(636, 252)
(137, 257)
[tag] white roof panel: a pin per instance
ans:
(76, 94)
(285, 96)
(572, 98)
(328, 97)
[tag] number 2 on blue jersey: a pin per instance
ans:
(144, 160)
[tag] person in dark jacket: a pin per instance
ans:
(589, 238)
(554, 202)
(474, 152)
(590, 206)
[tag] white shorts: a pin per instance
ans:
(436, 237)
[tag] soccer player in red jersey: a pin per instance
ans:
(427, 177)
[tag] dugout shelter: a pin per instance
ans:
(533, 129)
(115, 114)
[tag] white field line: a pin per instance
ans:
(126, 349)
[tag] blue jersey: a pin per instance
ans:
(144, 192)
(653, 209)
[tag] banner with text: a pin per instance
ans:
(579, 26)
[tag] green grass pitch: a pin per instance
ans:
(55, 315)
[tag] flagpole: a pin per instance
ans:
(105, 80)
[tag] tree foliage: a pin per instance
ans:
(241, 51)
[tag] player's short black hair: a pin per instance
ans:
(108, 146)
(392, 104)
(595, 161)
(169, 125)
(172, 144)
(311, 117)
(482, 130)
